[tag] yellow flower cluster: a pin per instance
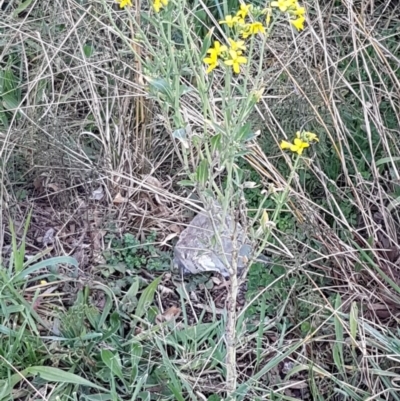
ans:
(124, 3)
(293, 8)
(302, 141)
(157, 4)
(244, 24)
(231, 56)
(238, 22)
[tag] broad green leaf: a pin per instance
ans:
(136, 352)
(160, 86)
(147, 297)
(216, 141)
(88, 50)
(133, 290)
(22, 7)
(113, 362)
(245, 133)
(10, 101)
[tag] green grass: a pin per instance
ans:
(97, 314)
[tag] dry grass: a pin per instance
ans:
(88, 153)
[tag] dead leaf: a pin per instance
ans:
(170, 314)
(119, 199)
(54, 187)
(97, 237)
(38, 183)
(216, 280)
(175, 228)
(168, 238)
(48, 237)
(97, 194)
(152, 181)
(165, 290)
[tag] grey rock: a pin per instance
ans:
(198, 249)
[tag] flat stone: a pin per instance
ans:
(199, 251)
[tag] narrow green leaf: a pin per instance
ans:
(385, 160)
(353, 322)
(206, 43)
(186, 183)
(338, 345)
(45, 263)
(54, 375)
(202, 173)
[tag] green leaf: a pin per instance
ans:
(22, 7)
(113, 362)
(133, 290)
(10, 101)
(216, 141)
(202, 173)
(54, 375)
(184, 89)
(162, 86)
(45, 263)
(136, 353)
(385, 160)
(245, 133)
(353, 322)
(186, 183)
(338, 345)
(206, 42)
(88, 50)
(147, 297)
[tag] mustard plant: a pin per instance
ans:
(207, 89)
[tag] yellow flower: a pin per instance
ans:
(124, 3)
(212, 61)
(253, 29)
(283, 5)
(218, 49)
(298, 23)
(244, 10)
(297, 146)
(158, 5)
(214, 53)
(230, 21)
(235, 60)
(238, 45)
(298, 11)
(43, 282)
